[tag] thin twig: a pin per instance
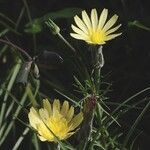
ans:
(17, 47)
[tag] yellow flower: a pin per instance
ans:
(55, 120)
(93, 30)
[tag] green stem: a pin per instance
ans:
(21, 138)
(97, 72)
(134, 125)
(66, 42)
(9, 128)
(17, 47)
(9, 87)
(19, 18)
(97, 64)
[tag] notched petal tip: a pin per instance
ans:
(93, 10)
(56, 105)
(32, 109)
(72, 26)
(76, 16)
(83, 12)
(47, 106)
(65, 108)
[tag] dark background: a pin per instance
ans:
(127, 58)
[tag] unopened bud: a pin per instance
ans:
(53, 27)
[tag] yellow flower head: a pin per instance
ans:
(54, 120)
(93, 30)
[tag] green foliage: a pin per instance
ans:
(37, 24)
(24, 82)
(138, 24)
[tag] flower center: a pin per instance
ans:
(58, 125)
(97, 37)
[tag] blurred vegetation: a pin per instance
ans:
(127, 60)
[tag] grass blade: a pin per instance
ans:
(9, 87)
(16, 146)
(134, 125)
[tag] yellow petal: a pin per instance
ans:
(94, 19)
(70, 114)
(42, 138)
(56, 105)
(47, 106)
(43, 114)
(80, 24)
(60, 123)
(69, 134)
(110, 23)
(65, 108)
(76, 121)
(77, 30)
(103, 18)
(45, 132)
(34, 118)
(112, 30)
(86, 20)
(78, 36)
(112, 36)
